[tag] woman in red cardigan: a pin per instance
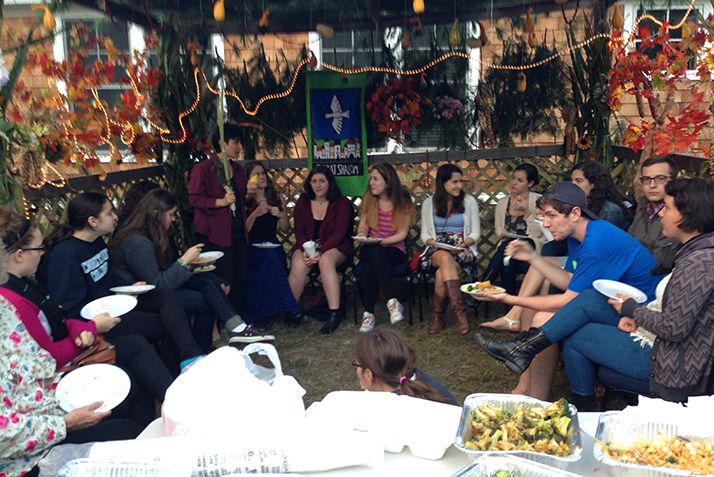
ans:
(322, 215)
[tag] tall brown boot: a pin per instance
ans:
(437, 314)
(457, 306)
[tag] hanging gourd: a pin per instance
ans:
(313, 61)
(532, 41)
(422, 84)
(418, 6)
(405, 40)
(48, 20)
(472, 42)
(530, 24)
(219, 11)
(521, 83)
(617, 21)
(263, 22)
(195, 60)
(455, 36)
(482, 33)
(325, 31)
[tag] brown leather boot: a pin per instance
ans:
(457, 306)
(437, 314)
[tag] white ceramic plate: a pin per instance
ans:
(209, 268)
(115, 305)
(515, 236)
(208, 257)
(133, 289)
(446, 246)
(610, 288)
(367, 239)
(266, 245)
(499, 290)
(92, 383)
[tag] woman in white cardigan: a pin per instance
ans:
(450, 227)
(515, 216)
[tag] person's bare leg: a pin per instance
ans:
(329, 261)
(298, 274)
(531, 285)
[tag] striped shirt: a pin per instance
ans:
(384, 222)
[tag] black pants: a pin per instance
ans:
(377, 263)
(136, 355)
(233, 266)
(510, 272)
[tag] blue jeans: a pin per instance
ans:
(588, 324)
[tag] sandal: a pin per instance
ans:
(513, 326)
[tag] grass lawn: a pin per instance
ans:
(321, 364)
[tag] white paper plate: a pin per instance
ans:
(208, 257)
(133, 289)
(367, 239)
(266, 245)
(474, 293)
(446, 246)
(610, 288)
(210, 268)
(115, 305)
(92, 383)
(515, 236)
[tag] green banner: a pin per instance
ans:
(336, 127)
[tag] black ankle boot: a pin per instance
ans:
(517, 353)
(332, 323)
(584, 403)
(293, 318)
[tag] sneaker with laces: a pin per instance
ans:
(249, 335)
(368, 322)
(396, 311)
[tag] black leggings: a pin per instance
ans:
(232, 267)
(136, 355)
(377, 263)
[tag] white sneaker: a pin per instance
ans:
(396, 311)
(368, 322)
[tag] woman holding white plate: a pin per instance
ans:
(141, 252)
(30, 417)
(76, 270)
(449, 218)
(65, 338)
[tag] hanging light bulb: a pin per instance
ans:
(219, 11)
(48, 20)
(418, 6)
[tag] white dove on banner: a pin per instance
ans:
(337, 114)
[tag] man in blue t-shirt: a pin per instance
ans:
(597, 250)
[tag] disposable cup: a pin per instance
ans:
(309, 247)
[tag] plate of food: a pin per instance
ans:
(114, 305)
(204, 268)
(132, 289)
(367, 239)
(610, 288)
(266, 245)
(482, 289)
(92, 383)
(206, 257)
(446, 246)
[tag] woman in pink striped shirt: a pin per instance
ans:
(386, 214)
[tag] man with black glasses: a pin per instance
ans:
(646, 227)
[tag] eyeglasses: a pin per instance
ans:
(355, 364)
(657, 180)
(41, 248)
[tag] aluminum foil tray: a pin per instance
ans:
(92, 468)
(619, 427)
(510, 402)
(489, 464)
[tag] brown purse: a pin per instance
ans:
(101, 351)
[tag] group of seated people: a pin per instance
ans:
(667, 342)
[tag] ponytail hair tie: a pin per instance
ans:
(402, 379)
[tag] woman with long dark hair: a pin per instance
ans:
(449, 217)
(385, 362)
(604, 199)
(321, 215)
(141, 252)
(268, 287)
(65, 338)
(386, 214)
(77, 270)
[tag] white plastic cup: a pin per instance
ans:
(309, 247)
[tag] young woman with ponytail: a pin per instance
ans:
(385, 362)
